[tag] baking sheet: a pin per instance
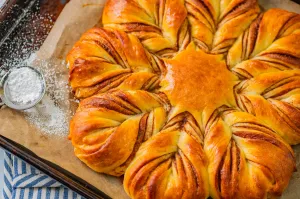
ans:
(76, 18)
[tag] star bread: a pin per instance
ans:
(189, 99)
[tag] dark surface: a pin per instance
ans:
(24, 25)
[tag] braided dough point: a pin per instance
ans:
(112, 126)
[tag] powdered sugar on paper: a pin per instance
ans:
(49, 115)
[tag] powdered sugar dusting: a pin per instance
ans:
(24, 85)
(52, 114)
(50, 119)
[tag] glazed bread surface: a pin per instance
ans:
(189, 99)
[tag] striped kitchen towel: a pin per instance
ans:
(22, 181)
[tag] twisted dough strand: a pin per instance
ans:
(274, 98)
(104, 60)
(161, 25)
(241, 164)
(270, 44)
(111, 127)
(171, 164)
(215, 27)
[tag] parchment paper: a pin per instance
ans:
(76, 18)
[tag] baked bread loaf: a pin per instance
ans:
(189, 99)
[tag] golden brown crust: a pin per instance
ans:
(272, 42)
(215, 27)
(161, 25)
(111, 127)
(273, 98)
(171, 164)
(185, 72)
(242, 165)
(189, 99)
(105, 59)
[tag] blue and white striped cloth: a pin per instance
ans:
(22, 181)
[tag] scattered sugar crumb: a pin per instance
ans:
(47, 117)
(52, 114)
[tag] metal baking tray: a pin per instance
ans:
(24, 25)
(33, 19)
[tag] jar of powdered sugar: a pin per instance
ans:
(22, 87)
